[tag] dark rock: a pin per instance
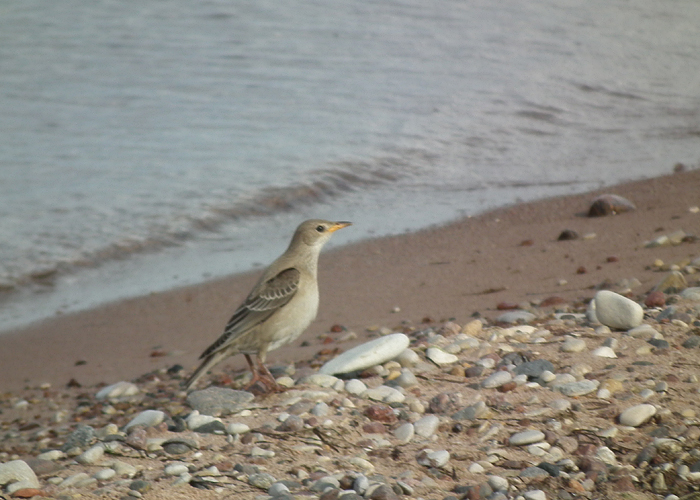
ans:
(374, 428)
(82, 437)
(445, 403)
(534, 472)
(474, 371)
(213, 427)
(610, 204)
(551, 469)
(567, 234)
(178, 446)
(691, 342)
(140, 485)
(43, 467)
(659, 343)
(655, 299)
(534, 369)
(383, 492)
(381, 413)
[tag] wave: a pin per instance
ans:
(317, 187)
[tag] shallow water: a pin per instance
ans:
(147, 145)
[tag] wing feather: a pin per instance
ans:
(265, 299)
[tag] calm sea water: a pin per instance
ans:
(152, 144)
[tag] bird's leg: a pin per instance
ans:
(265, 373)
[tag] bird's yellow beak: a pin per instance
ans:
(339, 225)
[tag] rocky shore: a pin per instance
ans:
(545, 402)
(576, 390)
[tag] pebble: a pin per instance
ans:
(616, 311)
(374, 352)
(604, 352)
(516, 316)
(91, 455)
(123, 469)
(496, 379)
(196, 421)
(385, 394)
(237, 428)
(355, 386)
(581, 388)
(261, 480)
(643, 331)
(404, 432)
(535, 495)
(319, 380)
(692, 293)
(498, 483)
(176, 469)
(609, 204)
(430, 458)
(147, 418)
(533, 369)
(408, 358)
(407, 379)
(440, 357)
(526, 437)
(18, 473)
(574, 345)
(426, 426)
(637, 415)
(120, 390)
(105, 474)
(81, 438)
(219, 401)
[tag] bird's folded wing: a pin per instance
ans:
(265, 299)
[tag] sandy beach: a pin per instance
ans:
(453, 271)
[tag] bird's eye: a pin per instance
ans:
(320, 229)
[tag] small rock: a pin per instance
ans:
(81, 437)
(262, 481)
(616, 311)
(404, 433)
(604, 352)
(496, 379)
(380, 413)
(91, 455)
(581, 388)
(637, 415)
(355, 386)
(385, 393)
(440, 357)
(533, 369)
(526, 437)
(17, 471)
(609, 204)
(237, 428)
(219, 401)
(105, 474)
(513, 317)
(147, 418)
(573, 345)
(319, 380)
(674, 282)
(140, 485)
(120, 390)
(430, 458)
(498, 483)
(426, 426)
(408, 358)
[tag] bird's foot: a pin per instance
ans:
(261, 385)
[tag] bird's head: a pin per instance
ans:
(316, 232)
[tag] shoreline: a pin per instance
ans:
(450, 271)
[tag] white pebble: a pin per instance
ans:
(355, 386)
(404, 433)
(604, 352)
(440, 357)
(526, 437)
(426, 426)
(497, 379)
(365, 355)
(637, 415)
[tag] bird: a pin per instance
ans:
(280, 307)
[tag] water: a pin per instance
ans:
(153, 144)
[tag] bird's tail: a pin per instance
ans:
(208, 362)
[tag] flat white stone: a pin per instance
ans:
(319, 379)
(195, 420)
(119, 390)
(498, 483)
(440, 357)
(176, 469)
(237, 428)
(580, 388)
(18, 471)
(104, 474)
(535, 495)
(526, 437)
(637, 415)
(365, 355)
(616, 311)
(147, 418)
(604, 352)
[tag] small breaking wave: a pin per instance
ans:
(319, 187)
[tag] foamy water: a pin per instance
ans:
(153, 144)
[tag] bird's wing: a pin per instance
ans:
(266, 298)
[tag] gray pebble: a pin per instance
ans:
(147, 418)
(404, 433)
(496, 379)
(355, 386)
(637, 415)
(498, 483)
(526, 437)
(581, 388)
(218, 401)
(91, 455)
(533, 369)
(261, 480)
(516, 316)
(573, 345)
(18, 471)
(426, 426)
